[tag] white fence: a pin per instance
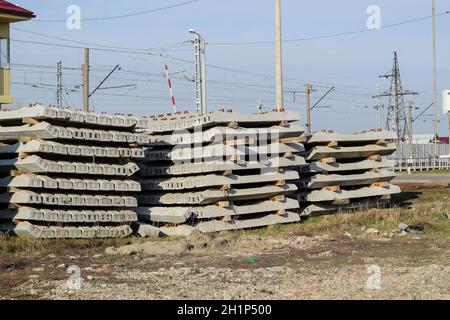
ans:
(423, 157)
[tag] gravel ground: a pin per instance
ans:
(244, 267)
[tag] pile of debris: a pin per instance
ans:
(64, 174)
(220, 171)
(346, 172)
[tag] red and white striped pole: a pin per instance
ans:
(170, 88)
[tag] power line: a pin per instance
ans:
(125, 15)
(165, 47)
(333, 35)
(240, 71)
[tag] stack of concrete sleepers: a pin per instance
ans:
(65, 174)
(346, 172)
(218, 172)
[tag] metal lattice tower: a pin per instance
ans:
(59, 87)
(397, 119)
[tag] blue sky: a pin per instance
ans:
(350, 63)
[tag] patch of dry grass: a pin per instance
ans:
(429, 207)
(30, 246)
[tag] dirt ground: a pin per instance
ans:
(361, 257)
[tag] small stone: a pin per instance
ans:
(61, 266)
(90, 278)
(372, 231)
(348, 235)
(38, 269)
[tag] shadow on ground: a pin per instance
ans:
(404, 199)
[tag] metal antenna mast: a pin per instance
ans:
(200, 73)
(397, 119)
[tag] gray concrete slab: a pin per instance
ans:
(133, 186)
(36, 112)
(26, 229)
(106, 185)
(190, 121)
(212, 196)
(209, 212)
(145, 230)
(23, 181)
(67, 167)
(69, 216)
(321, 181)
(355, 139)
(36, 164)
(321, 152)
(271, 219)
(221, 151)
(336, 167)
(366, 192)
(221, 134)
(51, 113)
(211, 180)
(79, 184)
(175, 215)
(46, 131)
(42, 130)
(219, 166)
(25, 197)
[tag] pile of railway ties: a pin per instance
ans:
(71, 174)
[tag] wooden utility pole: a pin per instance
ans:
(85, 69)
(278, 57)
(308, 108)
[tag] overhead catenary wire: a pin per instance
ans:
(167, 47)
(133, 14)
(333, 35)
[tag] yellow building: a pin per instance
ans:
(9, 13)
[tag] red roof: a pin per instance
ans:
(444, 140)
(9, 8)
